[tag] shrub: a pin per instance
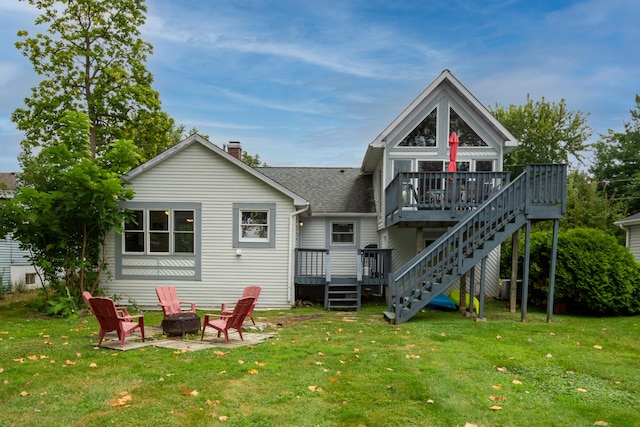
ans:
(594, 273)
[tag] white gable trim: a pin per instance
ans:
(197, 139)
(445, 77)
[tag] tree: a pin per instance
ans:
(548, 133)
(616, 163)
(64, 218)
(92, 60)
(594, 273)
(252, 160)
(588, 208)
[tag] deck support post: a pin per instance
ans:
(552, 269)
(483, 279)
(463, 293)
(513, 285)
(525, 272)
(472, 290)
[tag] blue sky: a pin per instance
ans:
(311, 83)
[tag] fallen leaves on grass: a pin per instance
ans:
(219, 353)
(189, 392)
(496, 408)
(315, 388)
(601, 423)
(123, 400)
(597, 347)
(252, 372)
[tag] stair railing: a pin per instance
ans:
(430, 272)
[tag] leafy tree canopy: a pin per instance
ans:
(64, 217)
(617, 163)
(91, 59)
(548, 132)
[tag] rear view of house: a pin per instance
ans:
(428, 206)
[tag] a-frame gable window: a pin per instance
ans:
(467, 136)
(424, 135)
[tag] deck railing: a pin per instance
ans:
(453, 191)
(539, 193)
(312, 266)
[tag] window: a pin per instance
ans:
(467, 136)
(430, 166)
(30, 279)
(401, 166)
(254, 225)
(424, 135)
(342, 233)
(160, 231)
(484, 165)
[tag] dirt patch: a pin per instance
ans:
(295, 319)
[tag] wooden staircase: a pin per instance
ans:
(539, 193)
(342, 294)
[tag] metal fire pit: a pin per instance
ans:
(181, 324)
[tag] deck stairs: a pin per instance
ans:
(342, 294)
(538, 194)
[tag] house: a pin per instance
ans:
(16, 271)
(631, 225)
(210, 225)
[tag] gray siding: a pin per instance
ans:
(315, 234)
(11, 256)
(198, 175)
(634, 241)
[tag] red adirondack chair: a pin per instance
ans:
(249, 291)
(170, 303)
(223, 323)
(107, 314)
(122, 311)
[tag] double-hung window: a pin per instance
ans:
(254, 225)
(160, 231)
(342, 233)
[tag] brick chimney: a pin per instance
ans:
(235, 149)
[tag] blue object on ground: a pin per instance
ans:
(442, 302)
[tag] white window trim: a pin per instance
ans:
(171, 232)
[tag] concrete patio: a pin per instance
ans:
(253, 334)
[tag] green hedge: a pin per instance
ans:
(594, 273)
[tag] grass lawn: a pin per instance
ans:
(328, 369)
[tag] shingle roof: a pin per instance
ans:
(329, 190)
(632, 218)
(8, 179)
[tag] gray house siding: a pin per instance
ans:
(198, 176)
(634, 241)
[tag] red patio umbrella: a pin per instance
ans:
(453, 152)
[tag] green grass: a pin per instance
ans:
(329, 369)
